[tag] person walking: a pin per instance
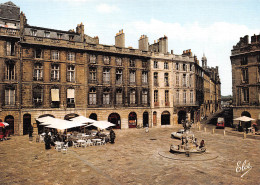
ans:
(112, 136)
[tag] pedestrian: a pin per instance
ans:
(112, 136)
(202, 144)
(47, 140)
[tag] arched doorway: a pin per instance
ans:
(154, 118)
(181, 116)
(145, 119)
(26, 123)
(132, 120)
(245, 113)
(165, 118)
(41, 127)
(115, 118)
(10, 120)
(93, 116)
(70, 116)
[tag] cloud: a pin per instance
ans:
(105, 8)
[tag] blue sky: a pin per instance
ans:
(204, 26)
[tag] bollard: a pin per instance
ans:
(199, 127)
(213, 131)
(244, 135)
(205, 129)
(224, 132)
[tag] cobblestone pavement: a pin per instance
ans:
(133, 159)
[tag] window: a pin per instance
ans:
(10, 70)
(106, 60)
(184, 97)
(244, 60)
(177, 66)
(258, 73)
(245, 95)
(244, 75)
(38, 72)
(184, 80)
(92, 97)
(55, 98)
(47, 34)
(118, 61)
(191, 96)
(155, 64)
(9, 96)
(258, 58)
(184, 67)
(38, 53)
(132, 96)
(71, 98)
(190, 81)
(177, 79)
(33, 32)
(71, 56)
(166, 79)
(132, 76)
(93, 59)
(59, 35)
(10, 48)
(187, 80)
(144, 64)
(71, 74)
(119, 77)
(166, 98)
(132, 63)
(144, 77)
(119, 96)
(155, 78)
(92, 74)
(106, 97)
(55, 55)
(155, 98)
(144, 96)
(37, 96)
(177, 96)
(106, 75)
(55, 72)
(191, 67)
(166, 65)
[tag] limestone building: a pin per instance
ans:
(245, 61)
(68, 73)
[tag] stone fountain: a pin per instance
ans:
(188, 143)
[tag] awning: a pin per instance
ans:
(70, 93)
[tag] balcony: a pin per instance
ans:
(9, 32)
(156, 104)
(186, 104)
(167, 104)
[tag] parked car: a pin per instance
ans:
(178, 134)
(220, 123)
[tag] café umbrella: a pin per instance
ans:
(244, 118)
(102, 124)
(2, 124)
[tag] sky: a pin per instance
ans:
(209, 27)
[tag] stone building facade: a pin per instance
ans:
(245, 61)
(68, 73)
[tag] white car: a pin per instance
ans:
(179, 134)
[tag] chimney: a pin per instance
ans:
(120, 39)
(163, 44)
(143, 43)
(172, 52)
(80, 30)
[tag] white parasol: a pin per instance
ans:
(244, 118)
(102, 124)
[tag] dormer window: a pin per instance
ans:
(244, 60)
(47, 34)
(71, 37)
(33, 32)
(59, 35)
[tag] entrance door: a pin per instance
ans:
(145, 119)
(132, 120)
(115, 118)
(26, 123)
(10, 120)
(165, 118)
(181, 116)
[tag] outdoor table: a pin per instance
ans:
(80, 141)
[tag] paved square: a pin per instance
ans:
(133, 159)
